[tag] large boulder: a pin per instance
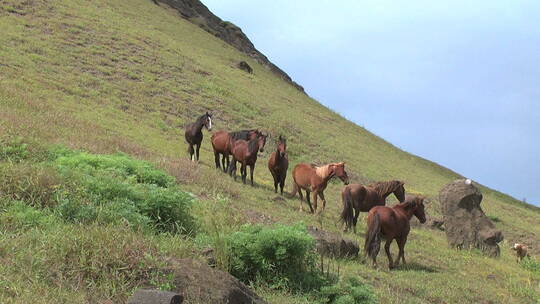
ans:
(152, 296)
(465, 223)
(332, 244)
(199, 283)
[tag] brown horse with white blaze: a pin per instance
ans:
(245, 152)
(315, 179)
(392, 223)
(194, 135)
(358, 198)
(278, 164)
(222, 143)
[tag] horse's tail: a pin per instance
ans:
(347, 215)
(373, 238)
(190, 149)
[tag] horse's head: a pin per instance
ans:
(282, 146)
(338, 170)
(400, 191)
(261, 141)
(208, 121)
(418, 209)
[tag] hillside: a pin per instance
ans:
(127, 76)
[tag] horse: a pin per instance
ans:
(392, 223)
(245, 152)
(278, 164)
(194, 135)
(358, 198)
(223, 141)
(315, 179)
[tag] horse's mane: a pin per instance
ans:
(383, 188)
(253, 145)
(243, 134)
(200, 120)
(322, 171)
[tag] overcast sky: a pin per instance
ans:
(456, 82)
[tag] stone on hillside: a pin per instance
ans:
(151, 296)
(199, 283)
(465, 223)
(332, 244)
(244, 66)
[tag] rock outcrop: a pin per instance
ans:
(151, 296)
(198, 13)
(332, 244)
(466, 225)
(199, 283)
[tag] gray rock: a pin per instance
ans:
(151, 296)
(466, 225)
(199, 283)
(332, 244)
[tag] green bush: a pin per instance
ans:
(280, 256)
(348, 291)
(19, 215)
(117, 189)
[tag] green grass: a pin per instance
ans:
(126, 76)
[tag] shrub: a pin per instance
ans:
(116, 189)
(281, 256)
(35, 184)
(348, 291)
(18, 215)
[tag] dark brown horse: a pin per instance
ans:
(223, 141)
(278, 164)
(315, 179)
(194, 135)
(392, 223)
(359, 198)
(245, 152)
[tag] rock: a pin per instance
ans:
(332, 244)
(208, 253)
(466, 225)
(199, 283)
(198, 13)
(431, 223)
(150, 296)
(244, 66)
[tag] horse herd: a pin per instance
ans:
(388, 222)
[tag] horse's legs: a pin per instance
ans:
(216, 159)
(315, 194)
(387, 249)
(244, 172)
(308, 197)
(252, 168)
(321, 195)
(401, 244)
(281, 185)
(191, 151)
(198, 148)
(301, 198)
(355, 219)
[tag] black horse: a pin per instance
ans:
(194, 135)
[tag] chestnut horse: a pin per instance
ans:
(194, 135)
(278, 164)
(223, 141)
(392, 223)
(315, 179)
(245, 152)
(359, 198)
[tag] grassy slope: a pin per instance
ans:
(127, 75)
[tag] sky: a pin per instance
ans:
(456, 82)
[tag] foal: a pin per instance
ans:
(278, 164)
(194, 135)
(315, 179)
(392, 223)
(245, 152)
